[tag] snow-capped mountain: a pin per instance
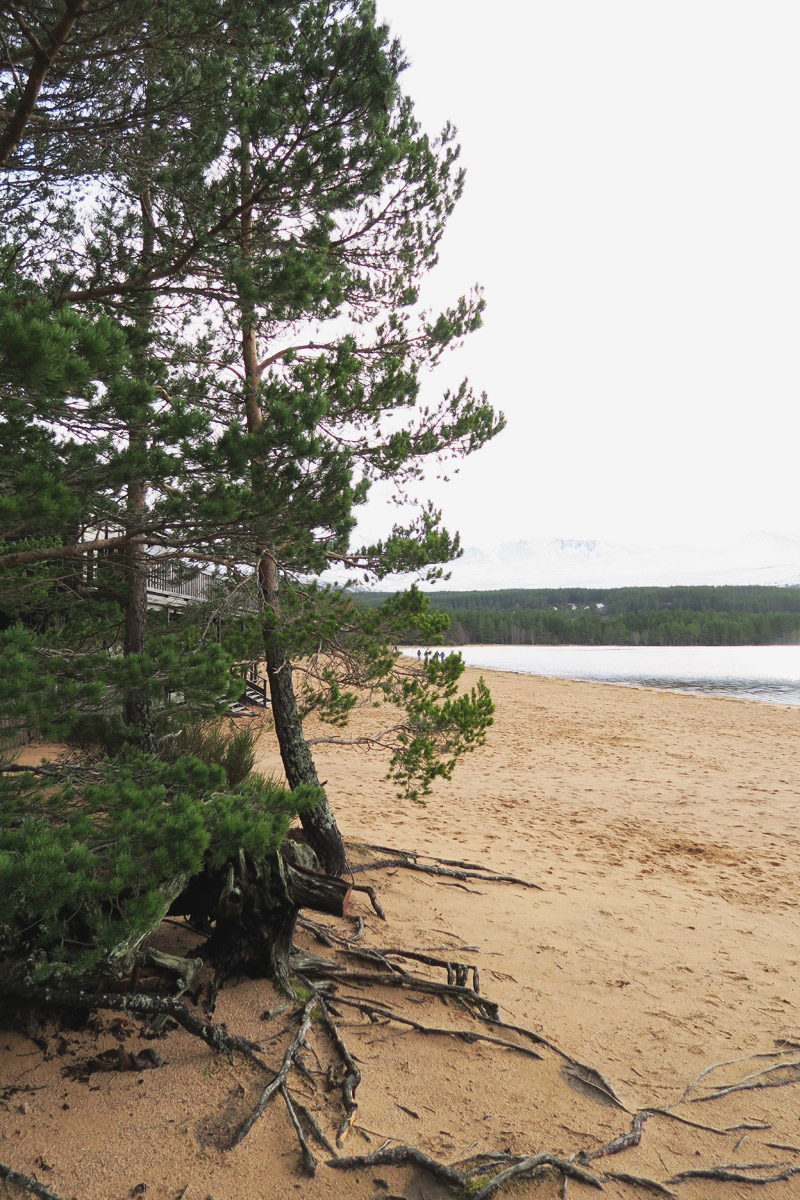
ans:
(565, 562)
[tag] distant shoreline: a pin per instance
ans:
(764, 674)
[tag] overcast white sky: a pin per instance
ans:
(633, 211)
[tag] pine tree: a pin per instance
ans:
(245, 232)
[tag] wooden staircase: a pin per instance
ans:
(256, 691)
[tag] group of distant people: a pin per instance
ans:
(440, 654)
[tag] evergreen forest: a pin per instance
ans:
(633, 616)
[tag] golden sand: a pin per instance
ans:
(664, 831)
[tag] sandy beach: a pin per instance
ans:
(663, 831)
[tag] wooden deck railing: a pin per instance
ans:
(167, 582)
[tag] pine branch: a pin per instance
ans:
(43, 60)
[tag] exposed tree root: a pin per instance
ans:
(533, 1166)
(457, 972)
(666, 1112)
(450, 868)
(788, 1048)
(624, 1142)
(213, 1035)
(316, 1022)
(395, 1156)
(27, 1183)
(465, 995)
(377, 1012)
(498, 1169)
(313, 1125)
(726, 1175)
(521, 1169)
(395, 976)
(309, 1162)
(351, 1079)
(373, 898)
(277, 1083)
(648, 1185)
(753, 1082)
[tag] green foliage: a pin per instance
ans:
(90, 859)
(280, 179)
(350, 659)
(50, 354)
(77, 694)
(439, 725)
(475, 1184)
(262, 205)
(233, 749)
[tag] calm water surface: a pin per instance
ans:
(769, 673)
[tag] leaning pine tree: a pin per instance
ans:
(259, 220)
(368, 198)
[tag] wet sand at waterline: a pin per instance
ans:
(664, 831)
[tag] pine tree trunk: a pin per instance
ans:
(255, 912)
(137, 707)
(319, 824)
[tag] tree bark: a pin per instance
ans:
(137, 709)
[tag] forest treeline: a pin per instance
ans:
(647, 616)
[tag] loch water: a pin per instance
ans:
(769, 673)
